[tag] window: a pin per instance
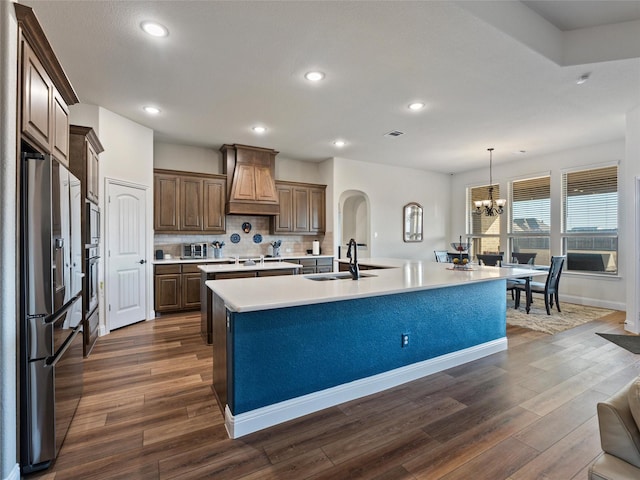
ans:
(484, 230)
(590, 219)
(530, 219)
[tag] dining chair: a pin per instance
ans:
(490, 259)
(441, 256)
(522, 257)
(549, 288)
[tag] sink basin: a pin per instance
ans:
(336, 276)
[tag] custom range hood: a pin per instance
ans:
(251, 184)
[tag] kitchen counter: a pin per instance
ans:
(241, 267)
(207, 260)
(287, 346)
(394, 276)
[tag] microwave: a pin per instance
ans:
(194, 250)
(93, 224)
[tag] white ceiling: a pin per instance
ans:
(229, 65)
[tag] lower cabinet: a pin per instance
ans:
(315, 265)
(177, 288)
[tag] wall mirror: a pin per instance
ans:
(412, 222)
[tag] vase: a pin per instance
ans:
(217, 253)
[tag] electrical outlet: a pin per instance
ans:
(405, 340)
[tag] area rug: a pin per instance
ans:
(571, 316)
(628, 342)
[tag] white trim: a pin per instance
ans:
(592, 302)
(14, 474)
(260, 418)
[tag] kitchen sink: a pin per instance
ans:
(336, 276)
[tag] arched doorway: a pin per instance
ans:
(355, 222)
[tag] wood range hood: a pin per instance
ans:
(251, 180)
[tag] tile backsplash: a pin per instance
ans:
(247, 246)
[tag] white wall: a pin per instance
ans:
(128, 157)
(596, 290)
(8, 248)
(186, 158)
(389, 189)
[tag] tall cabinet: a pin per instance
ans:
(84, 148)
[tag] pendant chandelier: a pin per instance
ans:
(490, 207)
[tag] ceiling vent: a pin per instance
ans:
(394, 133)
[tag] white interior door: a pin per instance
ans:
(125, 278)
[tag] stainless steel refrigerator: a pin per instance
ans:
(51, 307)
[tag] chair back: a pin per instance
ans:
(553, 277)
(490, 259)
(521, 257)
(441, 256)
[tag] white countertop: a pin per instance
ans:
(171, 261)
(254, 294)
(241, 267)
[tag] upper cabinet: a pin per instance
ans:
(188, 202)
(84, 148)
(302, 209)
(45, 92)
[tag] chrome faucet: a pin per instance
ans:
(353, 259)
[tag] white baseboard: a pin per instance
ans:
(102, 330)
(14, 474)
(592, 302)
(260, 418)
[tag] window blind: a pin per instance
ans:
(531, 205)
(590, 200)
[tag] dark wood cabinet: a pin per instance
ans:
(314, 264)
(302, 209)
(168, 287)
(189, 203)
(191, 291)
(166, 193)
(283, 222)
(45, 114)
(213, 202)
(84, 147)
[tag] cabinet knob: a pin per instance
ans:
(142, 261)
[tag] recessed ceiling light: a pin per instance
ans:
(151, 110)
(154, 29)
(583, 79)
(339, 143)
(259, 129)
(416, 106)
(314, 76)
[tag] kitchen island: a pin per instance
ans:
(288, 346)
(225, 271)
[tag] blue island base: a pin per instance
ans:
(288, 362)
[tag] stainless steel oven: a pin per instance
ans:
(93, 263)
(93, 224)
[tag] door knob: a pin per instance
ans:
(142, 261)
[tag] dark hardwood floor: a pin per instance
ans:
(527, 413)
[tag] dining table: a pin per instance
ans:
(537, 270)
